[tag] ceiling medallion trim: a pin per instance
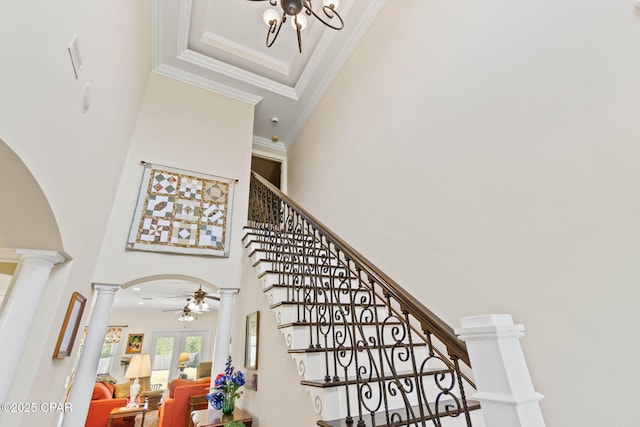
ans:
(220, 67)
(335, 68)
(205, 83)
(243, 52)
(185, 54)
(267, 143)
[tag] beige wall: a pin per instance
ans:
(74, 157)
(485, 156)
(182, 126)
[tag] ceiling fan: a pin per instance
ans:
(198, 303)
(185, 314)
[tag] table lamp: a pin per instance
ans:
(182, 359)
(139, 367)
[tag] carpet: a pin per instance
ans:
(151, 419)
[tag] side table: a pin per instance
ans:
(152, 398)
(126, 413)
(215, 418)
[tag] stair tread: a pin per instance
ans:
(337, 279)
(321, 383)
(381, 418)
(298, 287)
(306, 324)
(330, 349)
(302, 263)
(323, 303)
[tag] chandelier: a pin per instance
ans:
(297, 11)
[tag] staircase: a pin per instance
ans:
(368, 353)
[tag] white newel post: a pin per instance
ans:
(85, 376)
(21, 307)
(505, 389)
(223, 332)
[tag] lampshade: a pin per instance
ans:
(184, 357)
(139, 367)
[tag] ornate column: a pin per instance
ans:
(505, 390)
(85, 375)
(223, 332)
(21, 307)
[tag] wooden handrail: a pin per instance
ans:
(429, 321)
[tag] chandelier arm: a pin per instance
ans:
(273, 30)
(298, 28)
(329, 12)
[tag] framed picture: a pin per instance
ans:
(134, 343)
(70, 326)
(251, 341)
(251, 381)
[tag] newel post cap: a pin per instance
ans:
(488, 324)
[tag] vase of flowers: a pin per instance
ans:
(224, 393)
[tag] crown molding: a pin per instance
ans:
(205, 83)
(236, 73)
(267, 143)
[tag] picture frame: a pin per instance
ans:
(134, 344)
(70, 326)
(251, 381)
(251, 342)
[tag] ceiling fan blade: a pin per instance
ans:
(212, 297)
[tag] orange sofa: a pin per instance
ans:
(102, 402)
(174, 410)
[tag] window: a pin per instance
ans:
(109, 350)
(166, 349)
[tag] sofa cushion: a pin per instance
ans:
(122, 390)
(110, 386)
(101, 391)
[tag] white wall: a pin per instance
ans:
(188, 128)
(75, 157)
(485, 155)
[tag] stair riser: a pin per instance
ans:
(259, 242)
(299, 337)
(263, 266)
(283, 260)
(309, 294)
(312, 366)
(334, 400)
(294, 313)
(272, 278)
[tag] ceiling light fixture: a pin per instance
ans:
(296, 10)
(186, 316)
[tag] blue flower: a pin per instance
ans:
(228, 382)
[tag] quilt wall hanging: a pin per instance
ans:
(183, 212)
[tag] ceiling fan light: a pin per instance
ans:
(192, 306)
(333, 4)
(270, 15)
(204, 306)
(302, 21)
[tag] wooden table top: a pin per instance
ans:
(214, 418)
(128, 411)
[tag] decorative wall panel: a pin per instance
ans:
(182, 212)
